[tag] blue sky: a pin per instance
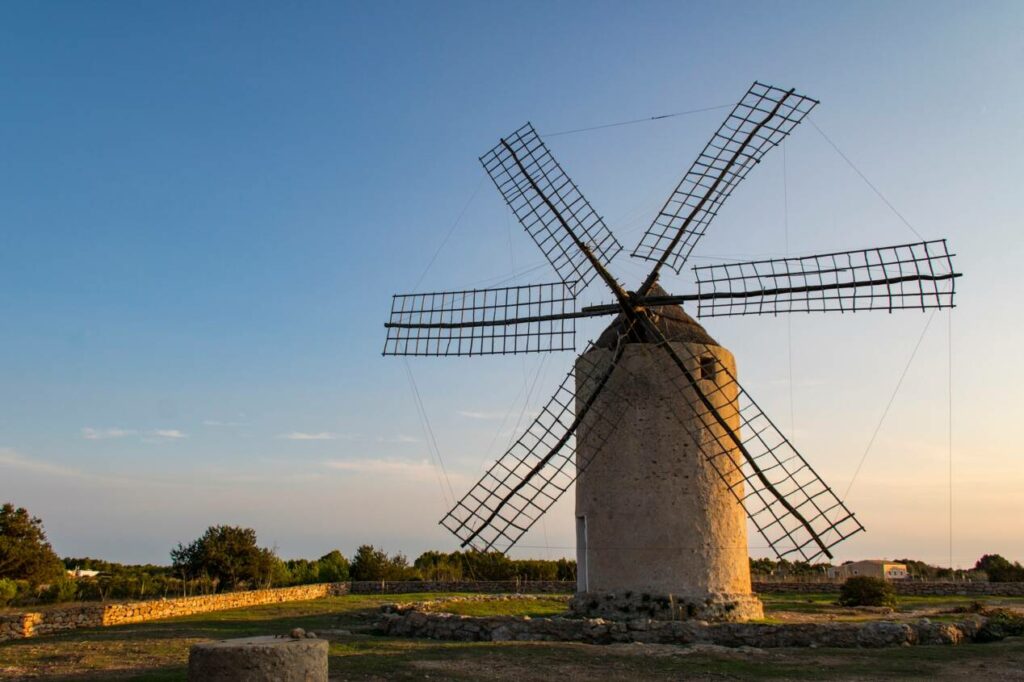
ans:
(205, 209)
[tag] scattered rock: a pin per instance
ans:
(335, 633)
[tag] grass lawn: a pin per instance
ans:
(159, 650)
(534, 608)
(781, 607)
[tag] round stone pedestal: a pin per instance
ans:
(259, 659)
(718, 607)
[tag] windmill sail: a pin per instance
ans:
(786, 500)
(550, 206)
(760, 121)
(909, 276)
(539, 467)
(795, 511)
(524, 319)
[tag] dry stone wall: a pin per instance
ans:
(909, 588)
(904, 587)
(482, 586)
(412, 622)
(60, 618)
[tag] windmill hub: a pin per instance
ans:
(670, 319)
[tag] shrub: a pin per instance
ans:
(864, 590)
(8, 591)
(60, 590)
(89, 589)
(26, 593)
(535, 569)
(1000, 623)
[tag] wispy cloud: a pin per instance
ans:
(492, 416)
(152, 436)
(472, 414)
(398, 438)
(172, 434)
(300, 435)
(355, 437)
(16, 460)
(228, 475)
(382, 467)
(90, 433)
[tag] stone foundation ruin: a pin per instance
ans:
(718, 607)
(428, 620)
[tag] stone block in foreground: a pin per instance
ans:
(259, 659)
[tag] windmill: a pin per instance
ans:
(669, 452)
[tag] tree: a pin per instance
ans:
(439, 566)
(332, 567)
(535, 569)
(371, 563)
(488, 566)
(303, 571)
(24, 552)
(473, 565)
(566, 569)
(924, 571)
(277, 573)
(229, 555)
(999, 569)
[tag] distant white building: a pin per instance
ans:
(82, 573)
(876, 568)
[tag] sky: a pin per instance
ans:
(205, 210)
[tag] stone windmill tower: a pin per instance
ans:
(670, 454)
(655, 500)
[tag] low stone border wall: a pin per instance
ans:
(440, 603)
(482, 586)
(903, 587)
(60, 618)
(446, 626)
(906, 587)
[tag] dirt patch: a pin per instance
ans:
(567, 661)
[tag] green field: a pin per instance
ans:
(789, 607)
(159, 650)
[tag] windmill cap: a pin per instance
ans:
(671, 320)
